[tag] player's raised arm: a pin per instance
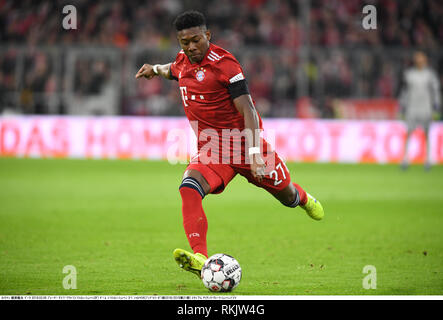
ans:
(149, 71)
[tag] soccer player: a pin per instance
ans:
(216, 98)
(419, 98)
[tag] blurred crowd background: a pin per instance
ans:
(301, 58)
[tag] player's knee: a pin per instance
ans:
(192, 183)
(198, 177)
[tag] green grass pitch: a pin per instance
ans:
(118, 222)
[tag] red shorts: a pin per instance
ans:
(219, 175)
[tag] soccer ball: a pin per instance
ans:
(221, 273)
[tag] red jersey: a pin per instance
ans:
(206, 97)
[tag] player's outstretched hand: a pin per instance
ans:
(146, 71)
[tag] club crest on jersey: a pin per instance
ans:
(200, 74)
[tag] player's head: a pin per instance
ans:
(420, 59)
(192, 34)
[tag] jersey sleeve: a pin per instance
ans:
(232, 76)
(175, 67)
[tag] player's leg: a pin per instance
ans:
(193, 189)
(411, 125)
(293, 195)
(289, 193)
(198, 181)
(426, 128)
(277, 181)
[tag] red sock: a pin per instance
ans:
(302, 194)
(194, 220)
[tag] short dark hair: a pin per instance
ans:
(189, 19)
